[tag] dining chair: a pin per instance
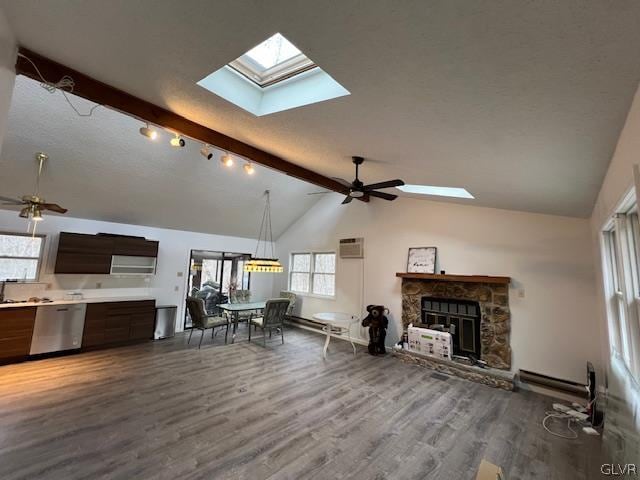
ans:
(292, 302)
(202, 321)
(242, 296)
(272, 317)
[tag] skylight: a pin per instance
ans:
(273, 60)
(272, 77)
(439, 191)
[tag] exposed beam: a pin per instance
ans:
(103, 94)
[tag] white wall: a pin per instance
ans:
(617, 183)
(549, 257)
(173, 257)
(7, 72)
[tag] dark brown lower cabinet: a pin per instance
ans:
(113, 323)
(16, 328)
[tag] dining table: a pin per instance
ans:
(234, 310)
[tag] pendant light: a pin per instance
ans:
(264, 264)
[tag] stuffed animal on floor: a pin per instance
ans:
(377, 323)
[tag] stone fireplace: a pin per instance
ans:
(477, 306)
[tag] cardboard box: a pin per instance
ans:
(489, 471)
(430, 342)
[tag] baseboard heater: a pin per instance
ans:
(567, 386)
(305, 321)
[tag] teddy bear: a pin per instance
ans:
(377, 323)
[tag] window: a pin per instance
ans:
(300, 271)
(272, 61)
(314, 273)
(324, 274)
(622, 285)
(20, 256)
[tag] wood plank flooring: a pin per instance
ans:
(165, 410)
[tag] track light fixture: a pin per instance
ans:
(227, 160)
(248, 167)
(205, 151)
(148, 132)
(177, 141)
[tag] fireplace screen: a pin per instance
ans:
(461, 318)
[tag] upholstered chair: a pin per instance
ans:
(292, 302)
(202, 321)
(272, 317)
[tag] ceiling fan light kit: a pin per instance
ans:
(357, 189)
(33, 205)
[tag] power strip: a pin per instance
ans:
(578, 415)
(559, 407)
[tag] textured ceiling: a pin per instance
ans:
(519, 102)
(101, 168)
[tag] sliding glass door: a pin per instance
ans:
(212, 275)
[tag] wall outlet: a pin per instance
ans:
(521, 293)
(180, 274)
(98, 284)
(176, 288)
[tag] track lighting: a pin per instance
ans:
(148, 132)
(227, 160)
(206, 152)
(177, 141)
(248, 167)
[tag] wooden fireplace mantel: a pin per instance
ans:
(454, 278)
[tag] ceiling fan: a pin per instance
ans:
(357, 189)
(33, 205)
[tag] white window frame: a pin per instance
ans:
(621, 271)
(40, 256)
(311, 273)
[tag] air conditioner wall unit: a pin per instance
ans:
(352, 248)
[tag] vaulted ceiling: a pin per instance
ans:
(519, 102)
(100, 167)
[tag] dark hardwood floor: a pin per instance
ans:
(165, 410)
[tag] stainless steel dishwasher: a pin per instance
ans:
(58, 328)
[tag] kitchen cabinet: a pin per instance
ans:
(92, 254)
(113, 323)
(16, 329)
(81, 253)
(135, 247)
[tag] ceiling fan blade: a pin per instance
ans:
(342, 181)
(54, 207)
(11, 201)
(348, 199)
(386, 196)
(387, 184)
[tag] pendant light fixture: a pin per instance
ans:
(264, 264)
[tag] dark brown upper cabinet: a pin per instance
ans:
(84, 254)
(135, 246)
(81, 253)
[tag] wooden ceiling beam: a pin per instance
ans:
(103, 94)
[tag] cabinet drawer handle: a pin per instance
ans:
(62, 309)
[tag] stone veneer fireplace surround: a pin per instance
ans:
(491, 293)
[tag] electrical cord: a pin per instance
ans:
(65, 85)
(560, 416)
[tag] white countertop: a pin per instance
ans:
(71, 302)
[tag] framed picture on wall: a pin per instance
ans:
(422, 260)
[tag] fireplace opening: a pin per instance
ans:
(461, 318)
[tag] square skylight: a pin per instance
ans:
(273, 60)
(455, 192)
(271, 77)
